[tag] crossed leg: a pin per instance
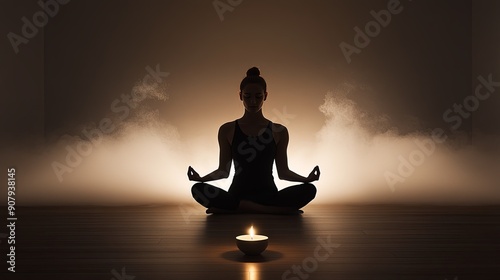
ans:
(286, 201)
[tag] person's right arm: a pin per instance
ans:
(224, 159)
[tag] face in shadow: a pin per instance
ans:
(253, 97)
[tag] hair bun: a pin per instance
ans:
(254, 71)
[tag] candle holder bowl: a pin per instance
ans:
(252, 247)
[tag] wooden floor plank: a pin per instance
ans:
(166, 242)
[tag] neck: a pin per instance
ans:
(253, 117)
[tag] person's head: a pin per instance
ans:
(253, 90)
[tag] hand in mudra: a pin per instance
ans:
(314, 175)
(193, 175)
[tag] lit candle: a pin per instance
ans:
(252, 244)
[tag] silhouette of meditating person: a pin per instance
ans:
(253, 143)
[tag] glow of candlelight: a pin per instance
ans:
(252, 232)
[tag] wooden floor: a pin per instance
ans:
(181, 242)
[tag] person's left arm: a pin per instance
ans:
(284, 172)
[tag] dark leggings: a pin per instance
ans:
(294, 197)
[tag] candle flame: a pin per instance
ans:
(252, 232)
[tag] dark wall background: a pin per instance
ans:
(92, 51)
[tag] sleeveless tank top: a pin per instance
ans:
(253, 161)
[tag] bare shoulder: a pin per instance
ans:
(279, 132)
(227, 126)
(227, 130)
(279, 128)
